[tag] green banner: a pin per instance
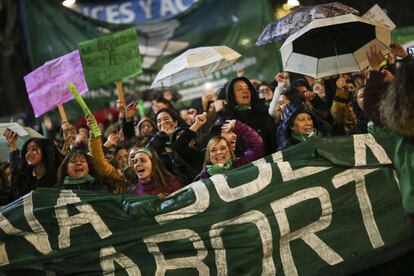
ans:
(52, 30)
(111, 58)
(403, 35)
(330, 206)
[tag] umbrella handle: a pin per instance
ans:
(337, 58)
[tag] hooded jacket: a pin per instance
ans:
(145, 119)
(129, 128)
(257, 117)
(284, 133)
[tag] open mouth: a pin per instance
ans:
(140, 171)
(79, 170)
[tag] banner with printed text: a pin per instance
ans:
(330, 206)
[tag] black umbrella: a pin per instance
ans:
(334, 45)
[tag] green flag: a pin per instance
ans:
(329, 206)
(111, 58)
(233, 23)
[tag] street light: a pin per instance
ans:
(208, 85)
(293, 3)
(69, 3)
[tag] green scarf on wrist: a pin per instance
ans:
(219, 168)
(87, 179)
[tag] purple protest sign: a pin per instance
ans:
(47, 85)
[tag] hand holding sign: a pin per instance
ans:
(92, 123)
(94, 127)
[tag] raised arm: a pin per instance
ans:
(103, 167)
(281, 86)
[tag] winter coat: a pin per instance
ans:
(23, 178)
(342, 115)
(361, 124)
(104, 168)
(164, 145)
(24, 181)
(190, 155)
(257, 117)
(374, 90)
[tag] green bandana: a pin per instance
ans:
(304, 137)
(219, 168)
(242, 107)
(87, 179)
(145, 150)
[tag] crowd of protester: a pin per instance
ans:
(243, 121)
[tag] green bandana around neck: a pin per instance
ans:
(87, 179)
(243, 107)
(304, 137)
(219, 168)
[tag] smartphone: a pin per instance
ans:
(410, 51)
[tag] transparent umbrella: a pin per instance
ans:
(195, 63)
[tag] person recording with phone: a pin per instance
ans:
(35, 165)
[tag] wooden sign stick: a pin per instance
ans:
(62, 113)
(120, 92)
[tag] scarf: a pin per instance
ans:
(304, 137)
(243, 107)
(219, 168)
(87, 179)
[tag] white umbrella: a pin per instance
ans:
(334, 45)
(195, 63)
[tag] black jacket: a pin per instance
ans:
(257, 117)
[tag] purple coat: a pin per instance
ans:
(253, 141)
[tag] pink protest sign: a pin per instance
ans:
(47, 85)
